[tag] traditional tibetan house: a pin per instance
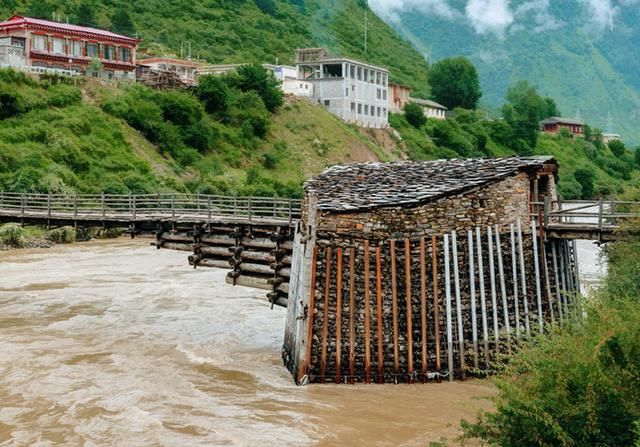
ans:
(42, 45)
(409, 272)
(184, 69)
(430, 108)
(554, 124)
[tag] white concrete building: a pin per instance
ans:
(431, 108)
(355, 91)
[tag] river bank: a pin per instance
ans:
(15, 236)
(114, 342)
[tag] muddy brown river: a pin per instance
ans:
(115, 343)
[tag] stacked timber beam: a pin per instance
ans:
(259, 256)
(431, 308)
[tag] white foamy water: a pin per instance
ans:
(116, 343)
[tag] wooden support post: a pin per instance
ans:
(394, 305)
(472, 291)
(554, 257)
(407, 275)
(423, 308)
(367, 315)
(514, 273)
(503, 288)
(563, 280)
(576, 265)
(379, 309)
(456, 278)
(483, 298)
(339, 316)
(209, 208)
(447, 285)
(325, 314)
(494, 297)
(534, 240)
(436, 304)
(523, 277)
(352, 299)
(311, 313)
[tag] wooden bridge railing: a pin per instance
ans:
(602, 215)
(145, 206)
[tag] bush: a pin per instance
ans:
(62, 235)
(9, 104)
(586, 179)
(12, 235)
(617, 147)
(62, 95)
(414, 115)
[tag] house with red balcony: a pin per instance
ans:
(553, 125)
(39, 45)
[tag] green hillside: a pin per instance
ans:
(263, 31)
(581, 57)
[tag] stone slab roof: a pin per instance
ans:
(365, 186)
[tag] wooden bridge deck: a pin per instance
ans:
(145, 210)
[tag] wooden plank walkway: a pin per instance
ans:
(127, 210)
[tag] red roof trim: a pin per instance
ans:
(31, 23)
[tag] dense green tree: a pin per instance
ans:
(414, 115)
(85, 14)
(454, 83)
(254, 77)
(637, 156)
(523, 111)
(617, 147)
(215, 93)
(122, 23)
(267, 6)
(42, 9)
(586, 178)
(248, 112)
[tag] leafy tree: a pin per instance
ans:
(552, 108)
(414, 115)
(585, 177)
(617, 147)
(214, 92)
(455, 83)
(85, 14)
(41, 9)
(254, 77)
(249, 113)
(524, 110)
(122, 23)
(267, 6)
(637, 159)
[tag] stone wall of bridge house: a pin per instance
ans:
(341, 322)
(500, 204)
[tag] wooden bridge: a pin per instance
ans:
(599, 221)
(146, 210)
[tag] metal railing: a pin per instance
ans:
(109, 207)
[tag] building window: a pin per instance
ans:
(346, 91)
(93, 50)
(379, 94)
(378, 111)
(384, 112)
(378, 77)
(373, 111)
(366, 75)
(76, 48)
(109, 52)
(352, 71)
(353, 106)
(384, 95)
(124, 54)
(39, 43)
(366, 109)
(359, 109)
(327, 103)
(57, 45)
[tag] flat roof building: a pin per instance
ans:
(355, 91)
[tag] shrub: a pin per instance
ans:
(62, 95)
(9, 104)
(62, 235)
(13, 236)
(585, 177)
(617, 147)
(414, 115)
(249, 112)
(270, 160)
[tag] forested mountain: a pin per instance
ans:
(583, 53)
(233, 31)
